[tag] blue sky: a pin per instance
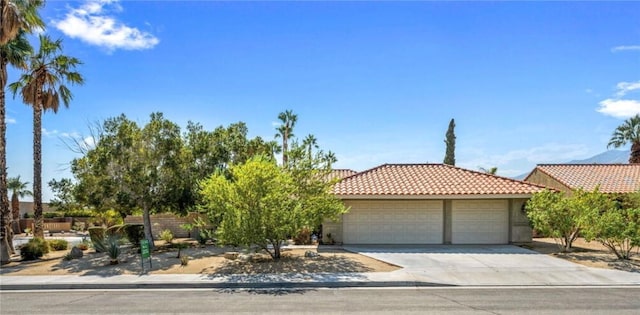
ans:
(375, 82)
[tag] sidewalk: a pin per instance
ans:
(343, 280)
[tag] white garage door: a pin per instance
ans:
(480, 222)
(393, 222)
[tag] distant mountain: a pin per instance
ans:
(607, 157)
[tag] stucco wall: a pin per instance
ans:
(520, 229)
(540, 178)
(333, 227)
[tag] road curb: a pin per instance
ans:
(218, 285)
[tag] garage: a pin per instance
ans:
(480, 222)
(393, 222)
(430, 204)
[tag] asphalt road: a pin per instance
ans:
(577, 300)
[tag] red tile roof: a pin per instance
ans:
(429, 180)
(341, 173)
(612, 178)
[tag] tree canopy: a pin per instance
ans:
(155, 167)
(263, 204)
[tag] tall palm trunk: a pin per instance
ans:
(15, 212)
(38, 230)
(4, 194)
(635, 153)
(285, 148)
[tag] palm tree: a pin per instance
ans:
(330, 158)
(16, 17)
(628, 132)
(310, 142)
(288, 119)
(18, 190)
(42, 88)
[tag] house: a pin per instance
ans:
(610, 178)
(27, 207)
(431, 204)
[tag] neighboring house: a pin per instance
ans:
(27, 207)
(431, 204)
(610, 178)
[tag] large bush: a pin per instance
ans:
(34, 249)
(617, 228)
(264, 204)
(563, 217)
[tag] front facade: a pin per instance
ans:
(608, 178)
(431, 204)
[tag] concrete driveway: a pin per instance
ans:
(490, 265)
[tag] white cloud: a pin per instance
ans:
(89, 142)
(49, 133)
(619, 108)
(10, 120)
(624, 48)
(92, 24)
(626, 87)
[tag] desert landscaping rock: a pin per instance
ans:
(231, 255)
(310, 254)
(76, 253)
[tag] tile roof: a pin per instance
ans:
(612, 178)
(429, 180)
(341, 173)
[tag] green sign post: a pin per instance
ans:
(145, 253)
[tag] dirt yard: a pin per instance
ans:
(592, 254)
(202, 260)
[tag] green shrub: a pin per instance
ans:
(184, 260)
(58, 244)
(97, 236)
(53, 214)
(79, 213)
(34, 249)
(166, 236)
(111, 246)
(134, 233)
(107, 218)
(67, 256)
